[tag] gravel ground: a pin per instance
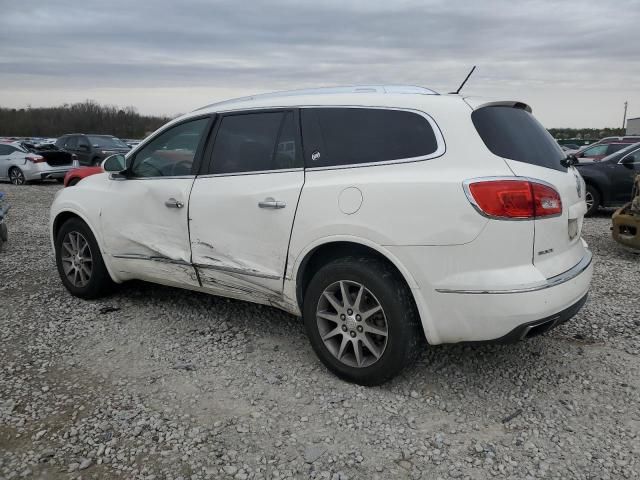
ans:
(154, 382)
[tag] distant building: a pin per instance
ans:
(633, 126)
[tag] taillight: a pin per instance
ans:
(513, 198)
(34, 158)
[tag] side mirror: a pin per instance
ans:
(114, 163)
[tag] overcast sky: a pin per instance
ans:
(575, 62)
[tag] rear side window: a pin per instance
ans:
(349, 136)
(72, 143)
(515, 134)
(255, 142)
(6, 150)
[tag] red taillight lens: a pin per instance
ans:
(34, 158)
(516, 199)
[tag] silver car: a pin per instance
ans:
(19, 164)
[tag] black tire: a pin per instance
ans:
(405, 337)
(595, 195)
(16, 176)
(99, 283)
(72, 182)
(96, 161)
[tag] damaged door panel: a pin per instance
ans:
(242, 210)
(151, 239)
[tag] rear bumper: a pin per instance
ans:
(513, 309)
(538, 327)
(45, 172)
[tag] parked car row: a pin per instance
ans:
(21, 162)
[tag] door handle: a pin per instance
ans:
(271, 203)
(173, 203)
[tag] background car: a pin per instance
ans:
(74, 176)
(92, 149)
(609, 182)
(595, 153)
(22, 162)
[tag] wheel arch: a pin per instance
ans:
(321, 252)
(603, 198)
(67, 214)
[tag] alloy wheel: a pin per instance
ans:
(588, 198)
(352, 323)
(77, 261)
(16, 176)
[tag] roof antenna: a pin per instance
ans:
(465, 81)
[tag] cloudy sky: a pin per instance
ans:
(575, 62)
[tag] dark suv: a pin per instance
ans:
(609, 182)
(91, 149)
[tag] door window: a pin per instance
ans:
(6, 150)
(347, 136)
(615, 147)
(594, 151)
(632, 158)
(255, 142)
(71, 143)
(84, 144)
(171, 153)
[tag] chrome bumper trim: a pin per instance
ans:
(570, 274)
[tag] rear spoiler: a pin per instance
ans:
(476, 103)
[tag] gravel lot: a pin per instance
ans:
(154, 382)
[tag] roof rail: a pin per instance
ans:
(330, 90)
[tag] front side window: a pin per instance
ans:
(616, 147)
(633, 157)
(255, 142)
(348, 136)
(171, 153)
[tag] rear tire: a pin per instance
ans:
(16, 176)
(592, 197)
(72, 182)
(79, 261)
(345, 342)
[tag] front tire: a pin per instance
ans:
(592, 197)
(79, 261)
(361, 320)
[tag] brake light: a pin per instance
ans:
(34, 158)
(513, 198)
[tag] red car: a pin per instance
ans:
(74, 176)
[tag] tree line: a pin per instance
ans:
(585, 133)
(84, 117)
(91, 117)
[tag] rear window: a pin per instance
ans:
(515, 134)
(348, 136)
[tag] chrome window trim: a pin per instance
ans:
(551, 282)
(168, 177)
(620, 162)
(474, 204)
(253, 172)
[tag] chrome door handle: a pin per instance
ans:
(173, 203)
(271, 203)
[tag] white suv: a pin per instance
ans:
(381, 214)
